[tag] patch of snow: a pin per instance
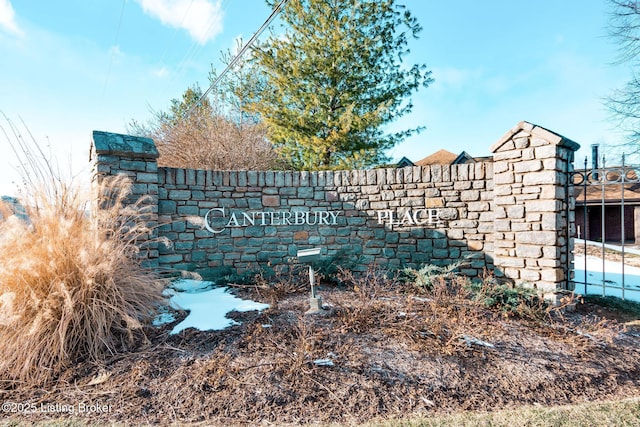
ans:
(208, 305)
(191, 286)
(163, 319)
(612, 278)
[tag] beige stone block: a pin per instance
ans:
(546, 152)
(486, 217)
(455, 233)
(507, 155)
(528, 154)
(500, 242)
(515, 212)
(503, 178)
(462, 185)
(521, 226)
(502, 225)
(485, 227)
(554, 164)
(463, 223)
(548, 136)
(470, 195)
(512, 273)
(522, 198)
(533, 217)
(521, 141)
(475, 245)
(553, 221)
(478, 206)
(503, 190)
(500, 252)
(553, 263)
(508, 262)
(553, 275)
(528, 166)
(505, 200)
(543, 206)
(537, 238)
(541, 178)
(434, 202)
(503, 166)
(530, 275)
(448, 214)
(547, 289)
(529, 251)
(552, 192)
(531, 190)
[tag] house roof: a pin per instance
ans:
(404, 162)
(612, 194)
(612, 189)
(440, 157)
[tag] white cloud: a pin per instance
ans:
(201, 18)
(8, 18)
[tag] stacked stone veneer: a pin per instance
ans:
(114, 154)
(509, 216)
(532, 207)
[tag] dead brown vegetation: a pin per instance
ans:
(71, 287)
(381, 349)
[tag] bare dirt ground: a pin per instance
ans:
(376, 352)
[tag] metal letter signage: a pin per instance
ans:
(216, 220)
(410, 218)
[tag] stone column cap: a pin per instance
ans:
(123, 145)
(530, 129)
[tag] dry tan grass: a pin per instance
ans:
(71, 288)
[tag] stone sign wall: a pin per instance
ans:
(510, 215)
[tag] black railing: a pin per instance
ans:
(610, 183)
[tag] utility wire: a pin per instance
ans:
(115, 44)
(253, 38)
(194, 49)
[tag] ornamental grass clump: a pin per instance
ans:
(71, 286)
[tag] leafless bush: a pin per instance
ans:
(214, 143)
(205, 135)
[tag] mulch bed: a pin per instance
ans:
(376, 353)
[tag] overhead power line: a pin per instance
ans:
(244, 48)
(113, 52)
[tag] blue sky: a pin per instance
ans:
(72, 66)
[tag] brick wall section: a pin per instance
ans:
(533, 243)
(509, 215)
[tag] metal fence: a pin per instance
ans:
(605, 200)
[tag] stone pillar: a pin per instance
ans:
(532, 240)
(114, 154)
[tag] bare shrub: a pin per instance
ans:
(204, 135)
(372, 288)
(71, 286)
(214, 142)
(286, 280)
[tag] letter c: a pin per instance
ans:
(207, 224)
